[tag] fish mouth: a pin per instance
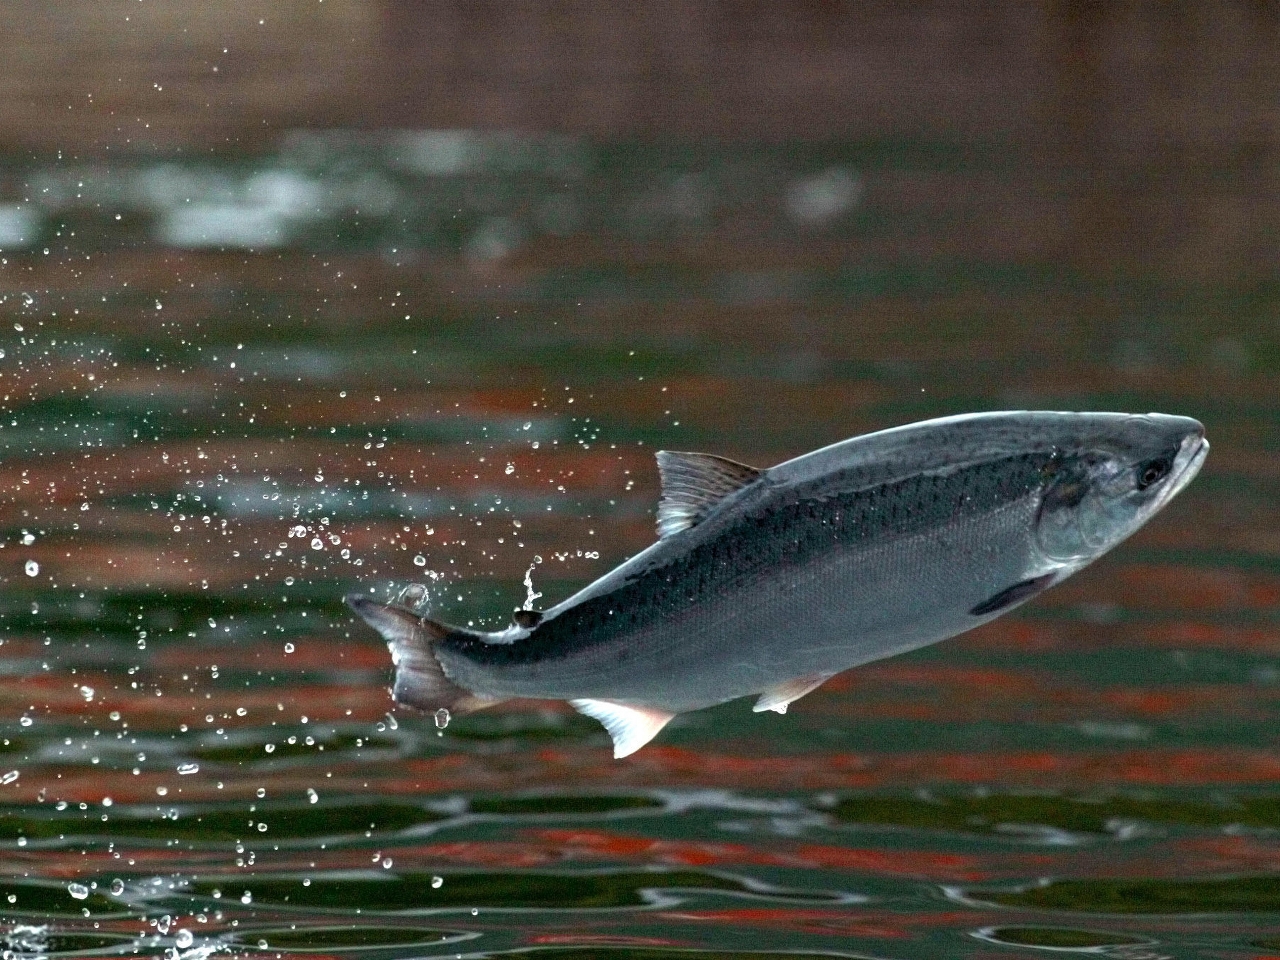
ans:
(1194, 450)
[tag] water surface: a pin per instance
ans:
(237, 387)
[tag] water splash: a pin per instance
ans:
(530, 595)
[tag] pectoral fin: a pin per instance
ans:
(630, 727)
(780, 695)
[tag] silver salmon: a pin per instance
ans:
(767, 582)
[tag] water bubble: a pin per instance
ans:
(262, 828)
(31, 568)
(186, 768)
(419, 561)
(117, 887)
(184, 939)
(289, 648)
(317, 543)
(442, 718)
(386, 863)
(78, 890)
(288, 581)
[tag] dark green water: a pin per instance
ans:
(236, 388)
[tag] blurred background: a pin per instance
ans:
(310, 296)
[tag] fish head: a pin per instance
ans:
(1110, 478)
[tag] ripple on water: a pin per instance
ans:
(1061, 938)
(41, 941)
(996, 812)
(350, 937)
(215, 824)
(548, 891)
(1248, 894)
(560, 804)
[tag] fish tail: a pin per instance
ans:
(420, 679)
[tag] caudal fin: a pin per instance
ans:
(420, 680)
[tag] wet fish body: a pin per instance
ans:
(768, 582)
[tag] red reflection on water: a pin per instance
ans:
(914, 863)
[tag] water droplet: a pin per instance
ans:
(247, 897)
(26, 721)
(78, 890)
(289, 648)
(10, 777)
(162, 925)
(527, 425)
(186, 768)
(117, 887)
(184, 939)
(312, 796)
(86, 692)
(386, 863)
(288, 581)
(511, 468)
(437, 883)
(317, 543)
(32, 569)
(442, 718)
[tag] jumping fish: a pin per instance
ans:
(768, 582)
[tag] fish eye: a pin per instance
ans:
(1153, 471)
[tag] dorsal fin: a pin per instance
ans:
(692, 484)
(526, 619)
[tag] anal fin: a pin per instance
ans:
(780, 695)
(630, 727)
